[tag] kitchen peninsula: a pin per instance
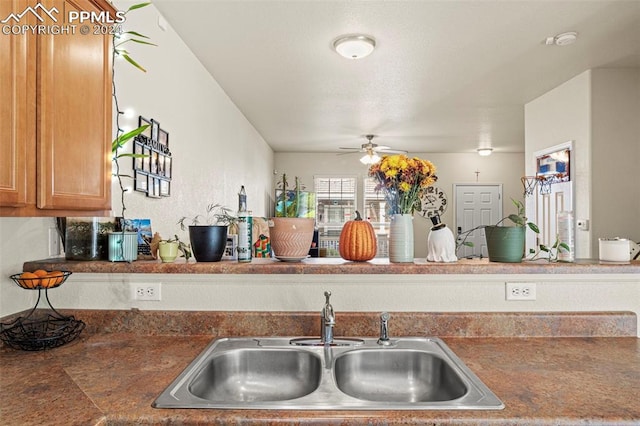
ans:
(378, 285)
(335, 266)
(561, 368)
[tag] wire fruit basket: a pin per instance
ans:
(31, 333)
(32, 281)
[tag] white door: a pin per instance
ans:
(548, 206)
(557, 198)
(476, 205)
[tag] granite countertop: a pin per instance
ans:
(336, 266)
(113, 377)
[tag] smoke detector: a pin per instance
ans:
(562, 39)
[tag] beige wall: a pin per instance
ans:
(20, 239)
(561, 115)
(452, 168)
(215, 150)
(615, 156)
(599, 110)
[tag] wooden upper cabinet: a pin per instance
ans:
(59, 137)
(17, 114)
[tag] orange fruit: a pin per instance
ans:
(29, 280)
(46, 282)
(40, 273)
(52, 279)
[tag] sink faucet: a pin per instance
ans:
(327, 321)
(384, 329)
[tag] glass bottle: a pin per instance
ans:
(566, 235)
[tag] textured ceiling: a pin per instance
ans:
(446, 76)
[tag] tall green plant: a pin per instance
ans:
(130, 37)
(123, 138)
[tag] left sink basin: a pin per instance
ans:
(234, 372)
(245, 375)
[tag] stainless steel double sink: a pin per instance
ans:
(410, 373)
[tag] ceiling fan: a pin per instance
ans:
(371, 151)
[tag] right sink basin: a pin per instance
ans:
(397, 375)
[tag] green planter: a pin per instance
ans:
(505, 243)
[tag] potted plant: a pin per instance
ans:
(507, 243)
(291, 230)
(208, 233)
(168, 249)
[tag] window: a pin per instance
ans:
(375, 208)
(336, 198)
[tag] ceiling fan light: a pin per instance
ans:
(370, 159)
(354, 46)
(485, 152)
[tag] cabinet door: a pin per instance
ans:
(17, 114)
(74, 125)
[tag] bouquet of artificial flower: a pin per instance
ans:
(402, 179)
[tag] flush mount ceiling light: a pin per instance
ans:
(563, 39)
(370, 158)
(354, 46)
(484, 152)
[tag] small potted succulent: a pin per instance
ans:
(208, 233)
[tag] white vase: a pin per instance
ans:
(401, 238)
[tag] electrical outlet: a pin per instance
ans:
(147, 291)
(520, 291)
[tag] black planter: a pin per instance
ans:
(208, 242)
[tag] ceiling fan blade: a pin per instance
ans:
(370, 148)
(392, 151)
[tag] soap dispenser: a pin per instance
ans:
(441, 245)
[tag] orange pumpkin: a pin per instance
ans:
(358, 240)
